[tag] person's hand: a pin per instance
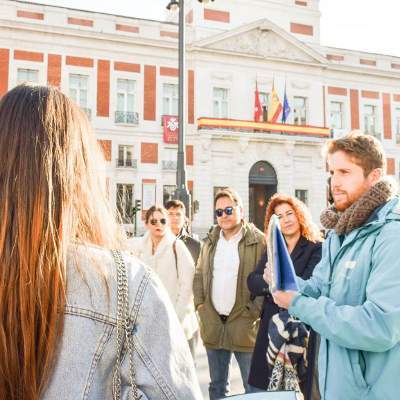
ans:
(199, 306)
(268, 273)
(283, 299)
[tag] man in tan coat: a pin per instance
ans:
(228, 316)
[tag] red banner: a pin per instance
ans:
(171, 129)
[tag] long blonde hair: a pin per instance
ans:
(50, 194)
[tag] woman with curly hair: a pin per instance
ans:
(303, 240)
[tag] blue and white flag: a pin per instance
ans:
(283, 274)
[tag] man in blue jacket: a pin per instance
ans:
(353, 297)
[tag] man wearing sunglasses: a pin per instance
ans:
(228, 315)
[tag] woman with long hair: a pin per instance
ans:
(303, 240)
(58, 291)
(168, 256)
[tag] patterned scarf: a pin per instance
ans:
(359, 212)
(287, 353)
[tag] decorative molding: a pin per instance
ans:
(264, 43)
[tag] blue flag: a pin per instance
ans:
(283, 274)
(286, 108)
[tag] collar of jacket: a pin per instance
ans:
(389, 211)
(249, 235)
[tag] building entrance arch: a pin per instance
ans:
(263, 184)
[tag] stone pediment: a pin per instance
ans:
(263, 39)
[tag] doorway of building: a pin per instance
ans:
(262, 185)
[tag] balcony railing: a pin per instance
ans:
(169, 165)
(126, 117)
(126, 163)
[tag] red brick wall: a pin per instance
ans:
(355, 109)
(173, 35)
(189, 17)
(301, 3)
(30, 14)
(216, 15)
(127, 67)
(191, 96)
(390, 166)
(387, 116)
(54, 70)
(106, 148)
(168, 71)
(79, 61)
(337, 91)
(301, 29)
(103, 88)
(189, 155)
(371, 63)
(28, 55)
(127, 28)
(150, 80)
(149, 153)
(4, 67)
(334, 57)
(80, 21)
(368, 94)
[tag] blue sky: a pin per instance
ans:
(365, 25)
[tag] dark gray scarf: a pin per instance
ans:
(359, 212)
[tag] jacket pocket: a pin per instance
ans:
(243, 330)
(210, 325)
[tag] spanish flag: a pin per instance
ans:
(275, 106)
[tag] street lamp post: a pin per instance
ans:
(182, 192)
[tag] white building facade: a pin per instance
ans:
(123, 73)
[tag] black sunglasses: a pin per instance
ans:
(219, 212)
(162, 221)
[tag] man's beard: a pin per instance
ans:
(350, 198)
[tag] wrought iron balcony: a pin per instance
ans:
(126, 163)
(126, 117)
(169, 165)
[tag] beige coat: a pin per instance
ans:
(177, 276)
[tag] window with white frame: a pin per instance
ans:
(125, 156)
(337, 115)
(371, 120)
(27, 75)
(170, 99)
(397, 124)
(169, 161)
(302, 195)
(125, 202)
(299, 110)
(125, 101)
(220, 102)
(78, 91)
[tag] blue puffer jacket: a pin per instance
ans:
(353, 301)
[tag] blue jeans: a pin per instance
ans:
(218, 364)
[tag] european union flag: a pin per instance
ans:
(286, 108)
(283, 274)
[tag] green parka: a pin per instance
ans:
(239, 332)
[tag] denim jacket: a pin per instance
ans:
(87, 349)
